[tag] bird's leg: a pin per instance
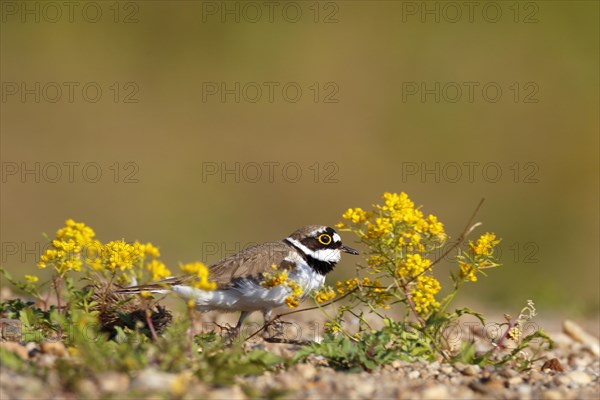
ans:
(267, 321)
(235, 332)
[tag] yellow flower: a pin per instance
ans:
(78, 232)
(414, 265)
(435, 227)
(119, 255)
(296, 289)
(332, 327)
(423, 295)
(276, 279)
(31, 278)
(395, 201)
(381, 227)
(202, 275)
(514, 333)
(325, 294)
(147, 249)
(292, 302)
(467, 271)
(484, 245)
(158, 269)
(356, 215)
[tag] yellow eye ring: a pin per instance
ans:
(324, 239)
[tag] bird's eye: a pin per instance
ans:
(324, 239)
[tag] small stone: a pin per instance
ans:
(524, 390)
(87, 388)
(414, 374)
(460, 366)
(151, 379)
(231, 393)
(579, 377)
(446, 369)
(306, 371)
(472, 370)
(113, 382)
(535, 376)
(289, 380)
(434, 366)
(436, 392)
(56, 349)
(552, 394)
(16, 348)
(578, 334)
(514, 381)
(553, 365)
(508, 373)
(365, 388)
(561, 380)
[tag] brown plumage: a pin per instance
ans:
(249, 263)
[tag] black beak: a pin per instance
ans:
(348, 250)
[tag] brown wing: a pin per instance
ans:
(250, 263)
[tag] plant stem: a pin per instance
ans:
(468, 229)
(150, 323)
(57, 288)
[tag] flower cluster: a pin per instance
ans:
(399, 237)
(396, 224)
(325, 294)
(66, 252)
(278, 278)
(371, 290)
(201, 275)
(423, 294)
(74, 246)
(479, 257)
(119, 255)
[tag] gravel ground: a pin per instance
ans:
(569, 371)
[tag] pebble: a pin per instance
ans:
(561, 380)
(578, 334)
(231, 393)
(553, 364)
(436, 392)
(151, 379)
(113, 382)
(56, 349)
(414, 374)
(514, 381)
(508, 373)
(306, 371)
(471, 370)
(552, 394)
(447, 369)
(579, 377)
(16, 348)
(524, 390)
(460, 366)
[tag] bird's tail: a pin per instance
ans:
(162, 286)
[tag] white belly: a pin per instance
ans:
(250, 296)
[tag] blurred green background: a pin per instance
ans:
(364, 100)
